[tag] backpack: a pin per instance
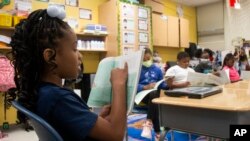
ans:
(6, 74)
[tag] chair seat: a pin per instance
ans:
(141, 108)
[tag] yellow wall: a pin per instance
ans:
(10, 114)
(168, 53)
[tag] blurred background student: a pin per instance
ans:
(228, 64)
(150, 74)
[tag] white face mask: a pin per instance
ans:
(204, 60)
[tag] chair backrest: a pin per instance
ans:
(43, 130)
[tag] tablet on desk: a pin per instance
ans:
(194, 92)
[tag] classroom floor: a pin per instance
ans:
(17, 133)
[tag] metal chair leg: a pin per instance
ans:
(163, 134)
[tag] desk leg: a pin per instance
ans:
(164, 133)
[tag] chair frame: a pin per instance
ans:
(38, 122)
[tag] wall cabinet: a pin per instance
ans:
(165, 31)
(170, 31)
(160, 29)
(184, 33)
(173, 31)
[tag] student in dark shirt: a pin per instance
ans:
(44, 50)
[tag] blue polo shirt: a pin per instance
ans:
(150, 75)
(66, 112)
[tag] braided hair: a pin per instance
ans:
(31, 37)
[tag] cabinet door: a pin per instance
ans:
(173, 31)
(159, 30)
(184, 32)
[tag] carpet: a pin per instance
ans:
(134, 129)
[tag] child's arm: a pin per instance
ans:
(113, 129)
(171, 84)
(180, 85)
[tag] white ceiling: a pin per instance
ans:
(195, 2)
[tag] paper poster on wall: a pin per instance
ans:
(128, 37)
(72, 22)
(142, 24)
(23, 7)
(127, 50)
(85, 14)
(127, 10)
(143, 37)
(141, 47)
(71, 2)
(142, 13)
(128, 24)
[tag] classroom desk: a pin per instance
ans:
(209, 116)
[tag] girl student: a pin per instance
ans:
(44, 50)
(228, 63)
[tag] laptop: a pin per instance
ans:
(194, 92)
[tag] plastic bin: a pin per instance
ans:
(5, 20)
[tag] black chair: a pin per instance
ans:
(43, 130)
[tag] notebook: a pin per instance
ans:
(194, 92)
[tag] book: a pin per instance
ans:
(201, 79)
(245, 75)
(101, 92)
(194, 92)
(139, 96)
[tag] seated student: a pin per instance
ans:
(150, 74)
(243, 60)
(70, 83)
(210, 54)
(228, 63)
(157, 60)
(44, 50)
(177, 75)
(204, 65)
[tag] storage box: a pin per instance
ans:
(17, 19)
(95, 28)
(156, 5)
(5, 20)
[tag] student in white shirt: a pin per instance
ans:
(177, 75)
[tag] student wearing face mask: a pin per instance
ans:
(150, 74)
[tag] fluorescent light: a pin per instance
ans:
(237, 5)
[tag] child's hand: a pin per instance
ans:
(105, 112)
(149, 86)
(186, 84)
(216, 73)
(119, 76)
(169, 81)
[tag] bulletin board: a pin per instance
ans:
(135, 27)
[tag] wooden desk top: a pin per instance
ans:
(235, 97)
